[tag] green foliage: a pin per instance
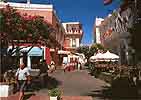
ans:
(97, 46)
(90, 51)
(18, 26)
(84, 50)
(15, 27)
(54, 92)
(114, 14)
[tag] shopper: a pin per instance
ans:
(23, 79)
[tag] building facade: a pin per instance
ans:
(96, 30)
(56, 42)
(116, 35)
(73, 35)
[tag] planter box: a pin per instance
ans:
(6, 90)
(53, 98)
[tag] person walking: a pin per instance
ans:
(22, 79)
(52, 66)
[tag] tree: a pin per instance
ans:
(90, 51)
(97, 46)
(15, 28)
(84, 50)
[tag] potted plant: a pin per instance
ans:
(54, 94)
(7, 85)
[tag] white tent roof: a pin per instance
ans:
(97, 56)
(109, 55)
(104, 57)
(73, 56)
(63, 52)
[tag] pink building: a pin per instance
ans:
(73, 35)
(49, 14)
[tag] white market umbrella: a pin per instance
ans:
(110, 56)
(97, 57)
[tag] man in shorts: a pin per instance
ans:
(23, 78)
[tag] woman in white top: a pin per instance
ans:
(23, 78)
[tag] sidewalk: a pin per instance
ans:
(62, 98)
(43, 97)
(75, 85)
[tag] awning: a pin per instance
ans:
(35, 51)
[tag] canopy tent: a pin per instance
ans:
(110, 56)
(73, 56)
(97, 57)
(104, 57)
(63, 52)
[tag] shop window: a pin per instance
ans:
(35, 62)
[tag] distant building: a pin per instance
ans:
(96, 30)
(73, 36)
(115, 33)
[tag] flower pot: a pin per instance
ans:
(6, 90)
(53, 98)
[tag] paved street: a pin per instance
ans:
(76, 83)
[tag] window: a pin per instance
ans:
(73, 42)
(35, 61)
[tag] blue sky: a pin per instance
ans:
(84, 11)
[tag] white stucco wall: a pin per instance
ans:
(97, 24)
(77, 42)
(98, 35)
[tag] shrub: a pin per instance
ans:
(54, 92)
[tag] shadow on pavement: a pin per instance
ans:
(27, 96)
(52, 83)
(49, 83)
(121, 89)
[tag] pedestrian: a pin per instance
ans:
(79, 65)
(43, 67)
(52, 66)
(22, 79)
(64, 67)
